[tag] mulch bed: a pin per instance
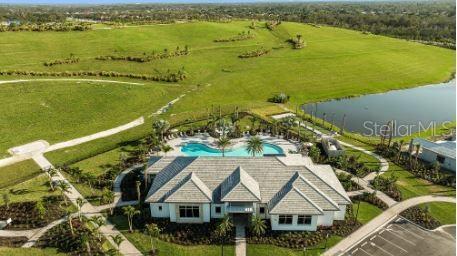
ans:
(13, 241)
(421, 217)
(25, 216)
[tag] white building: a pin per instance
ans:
(292, 195)
(442, 152)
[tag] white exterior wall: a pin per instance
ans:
(217, 215)
(339, 215)
(206, 211)
(265, 215)
(172, 208)
(326, 219)
(157, 213)
(430, 157)
(293, 227)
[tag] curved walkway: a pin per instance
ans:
(381, 220)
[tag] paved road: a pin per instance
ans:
(381, 220)
(401, 238)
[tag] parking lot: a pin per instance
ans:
(401, 237)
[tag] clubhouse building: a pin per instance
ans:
(291, 192)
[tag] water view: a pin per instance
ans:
(411, 109)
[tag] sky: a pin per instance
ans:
(139, 1)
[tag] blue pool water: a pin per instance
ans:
(199, 149)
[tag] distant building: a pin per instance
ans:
(442, 152)
(291, 194)
(332, 147)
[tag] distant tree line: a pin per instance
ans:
(424, 21)
(169, 76)
(16, 27)
(240, 37)
(147, 58)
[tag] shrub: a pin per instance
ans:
(254, 53)
(240, 37)
(421, 217)
(279, 98)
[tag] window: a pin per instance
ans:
(160, 208)
(285, 219)
(262, 210)
(304, 220)
(189, 211)
(218, 209)
(440, 159)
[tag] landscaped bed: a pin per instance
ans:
(12, 241)
(26, 215)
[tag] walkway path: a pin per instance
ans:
(240, 223)
(381, 220)
(126, 248)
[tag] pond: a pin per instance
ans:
(411, 110)
(199, 149)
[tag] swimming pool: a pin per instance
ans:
(199, 149)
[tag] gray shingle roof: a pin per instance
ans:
(290, 200)
(444, 148)
(190, 189)
(269, 174)
(240, 187)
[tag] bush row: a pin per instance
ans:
(147, 58)
(254, 53)
(171, 77)
(372, 199)
(240, 37)
(45, 27)
(421, 217)
(61, 61)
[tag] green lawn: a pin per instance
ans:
(335, 63)
(367, 211)
(31, 190)
(18, 172)
(444, 212)
(99, 164)
(271, 250)
(411, 186)
(29, 251)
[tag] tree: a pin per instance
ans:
(6, 199)
(258, 226)
(117, 239)
(400, 145)
(153, 231)
(418, 148)
(314, 153)
(166, 148)
(98, 221)
(223, 143)
(79, 203)
(108, 197)
(223, 229)
(64, 188)
(254, 146)
(138, 191)
(160, 127)
(130, 211)
(85, 240)
(41, 210)
(52, 172)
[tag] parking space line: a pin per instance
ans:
(392, 243)
(412, 233)
(393, 233)
(373, 244)
(362, 250)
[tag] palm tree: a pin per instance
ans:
(6, 199)
(79, 203)
(64, 188)
(161, 126)
(85, 240)
(223, 143)
(52, 172)
(138, 191)
(153, 231)
(98, 221)
(108, 197)
(117, 239)
(418, 148)
(254, 146)
(258, 226)
(130, 211)
(400, 145)
(166, 148)
(223, 229)
(253, 121)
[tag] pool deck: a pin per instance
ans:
(177, 143)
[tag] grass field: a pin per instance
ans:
(444, 212)
(4, 251)
(335, 63)
(367, 211)
(33, 189)
(18, 172)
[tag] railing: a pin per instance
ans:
(240, 208)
